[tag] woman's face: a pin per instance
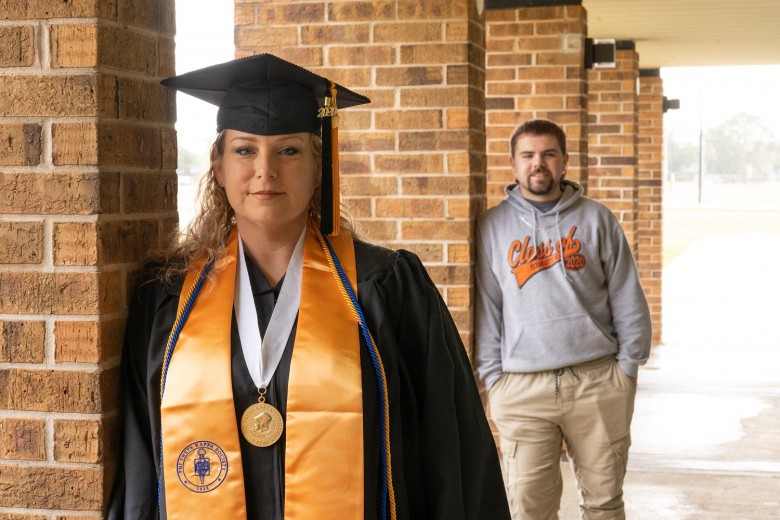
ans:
(269, 180)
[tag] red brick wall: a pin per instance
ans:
(612, 139)
(535, 69)
(412, 161)
(650, 216)
(87, 169)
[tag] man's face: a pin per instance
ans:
(539, 166)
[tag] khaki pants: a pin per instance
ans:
(590, 407)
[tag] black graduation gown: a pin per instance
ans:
(445, 463)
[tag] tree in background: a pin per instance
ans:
(741, 148)
(682, 157)
(191, 163)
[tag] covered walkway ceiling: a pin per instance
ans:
(671, 33)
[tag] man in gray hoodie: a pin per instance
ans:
(562, 325)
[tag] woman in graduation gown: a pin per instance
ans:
(276, 367)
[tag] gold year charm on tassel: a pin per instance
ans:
(262, 424)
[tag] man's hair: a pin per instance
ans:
(538, 127)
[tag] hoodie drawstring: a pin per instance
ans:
(558, 372)
(533, 226)
(563, 248)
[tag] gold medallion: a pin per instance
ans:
(262, 424)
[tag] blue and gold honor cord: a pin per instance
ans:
(173, 337)
(386, 478)
(181, 318)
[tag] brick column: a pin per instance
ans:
(650, 218)
(535, 69)
(87, 170)
(412, 161)
(612, 138)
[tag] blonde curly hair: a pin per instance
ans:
(204, 236)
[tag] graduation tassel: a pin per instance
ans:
(330, 213)
(334, 146)
(326, 205)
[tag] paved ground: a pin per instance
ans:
(707, 422)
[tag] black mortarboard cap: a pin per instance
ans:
(266, 95)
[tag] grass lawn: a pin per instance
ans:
(726, 209)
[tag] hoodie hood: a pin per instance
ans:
(572, 192)
(535, 219)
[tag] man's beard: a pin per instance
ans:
(542, 186)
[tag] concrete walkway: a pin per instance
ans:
(706, 431)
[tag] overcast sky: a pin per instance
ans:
(204, 36)
(718, 93)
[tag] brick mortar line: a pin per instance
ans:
(49, 342)
(51, 514)
(62, 368)
(57, 416)
(98, 318)
(47, 262)
(68, 269)
(19, 23)
(419, 220)
(77, 218)
(157, 34)
(48, 121)
(371, 23)
(47, 148)
(44, 47)
(79, 168)
(49, 464)
(49, 441)
(101, 119)
(81, 71)
(70, 366)
(42, 217)
(91, 21)
(41, 71)
(12, 22)
(447, 241)
(456, 196)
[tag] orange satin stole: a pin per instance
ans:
(324, 421)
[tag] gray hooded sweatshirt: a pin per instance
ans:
(535, 312)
